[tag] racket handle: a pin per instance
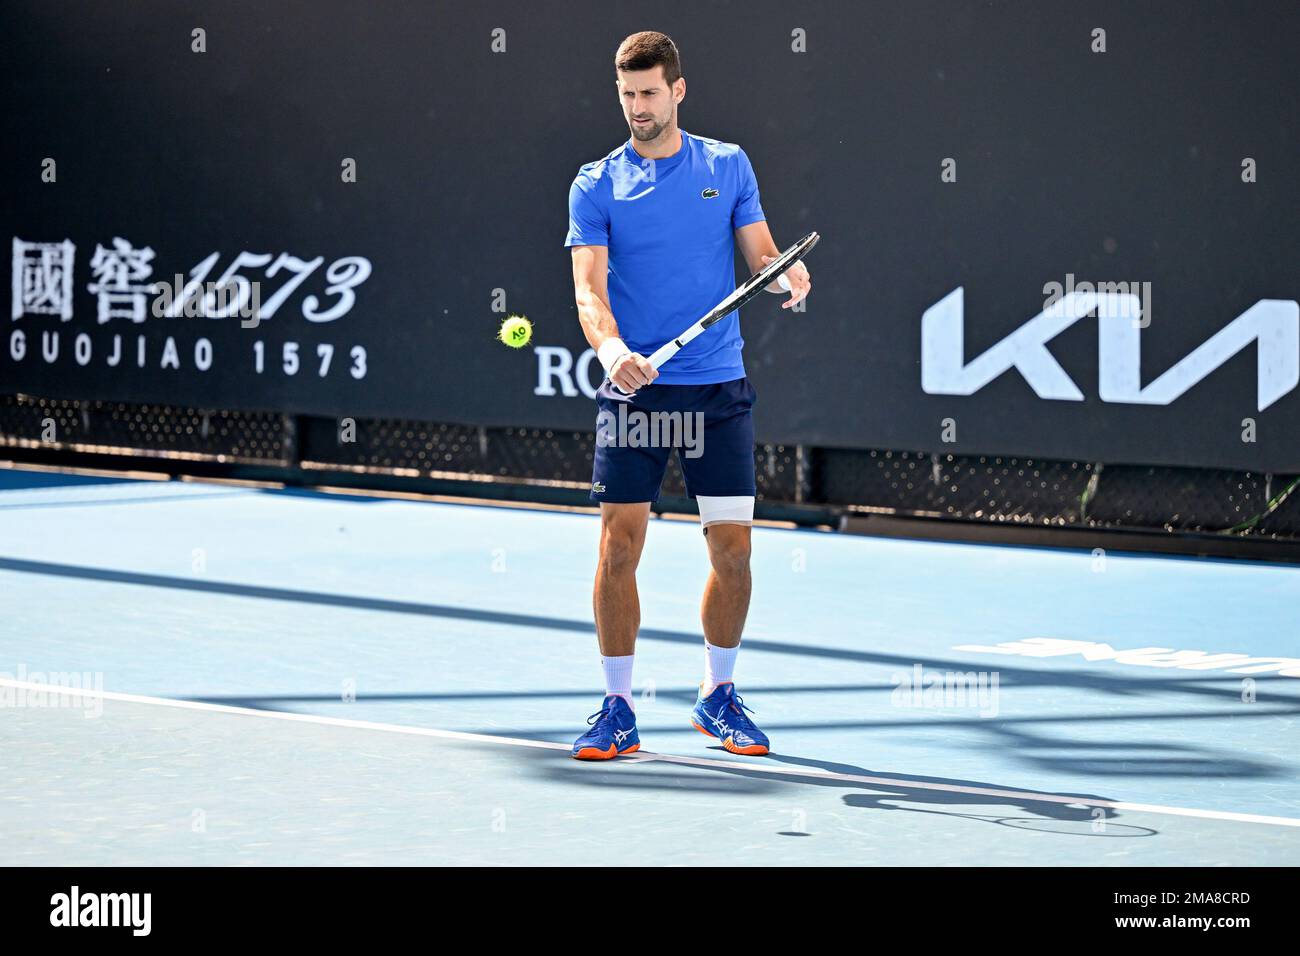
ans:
(664, 353)
(673, 346)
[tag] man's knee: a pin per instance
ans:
(619, 552)
(729, 549)
(622, 536)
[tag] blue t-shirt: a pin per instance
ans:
(669, 225)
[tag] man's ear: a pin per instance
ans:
(680, 88)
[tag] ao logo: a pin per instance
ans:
(1272, 323)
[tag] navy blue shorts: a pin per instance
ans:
(711, 427)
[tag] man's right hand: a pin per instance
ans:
(632, 371)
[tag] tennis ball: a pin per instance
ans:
(516, 331)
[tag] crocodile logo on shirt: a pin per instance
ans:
(709, 193)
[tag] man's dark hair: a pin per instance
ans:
(645, 51)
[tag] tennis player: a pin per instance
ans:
(651, 228)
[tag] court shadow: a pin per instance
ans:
(949, 795)
(1128, 752)
(1201, 686)
(632, 774)
(1124, 758)
(1070, 813)
(13, 479)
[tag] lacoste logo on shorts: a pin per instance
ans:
(597, 488)
(709, 193)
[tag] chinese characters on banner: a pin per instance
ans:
(124, 289)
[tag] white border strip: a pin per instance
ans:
(650, 756)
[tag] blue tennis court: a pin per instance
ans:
(222, 674)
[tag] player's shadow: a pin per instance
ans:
(895, 792)
(632, 773)
(922, 794)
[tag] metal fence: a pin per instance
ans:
(980, 489)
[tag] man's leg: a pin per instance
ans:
(618, 615)
(615, 601)
(721, 477)
(726, 593)
(719, 711)
(625, 479)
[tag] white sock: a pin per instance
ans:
(618, 677)
(719, 662)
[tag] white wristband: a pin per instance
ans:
(783, 282)
(610, 351)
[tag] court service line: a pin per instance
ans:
(649, 756)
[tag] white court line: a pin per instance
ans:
(645, 756)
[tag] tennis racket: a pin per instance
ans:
(744, 292)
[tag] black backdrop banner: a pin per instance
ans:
(1055, 229)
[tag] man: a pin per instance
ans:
(651, 227)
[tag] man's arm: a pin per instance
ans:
(756, 245)
(625, 368)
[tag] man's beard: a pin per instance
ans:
(647, 133)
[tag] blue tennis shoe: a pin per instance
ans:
(613, 732)
(722, 715)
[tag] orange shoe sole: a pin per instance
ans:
(757, 750)
(592, 753)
